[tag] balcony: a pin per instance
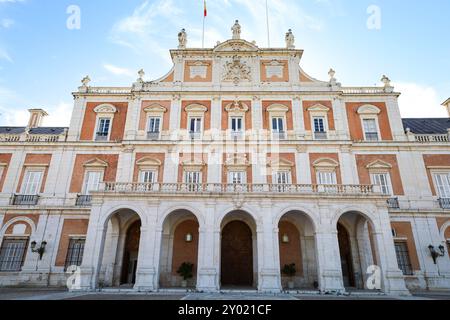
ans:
(153, 135)
(237, 135)
(101, 136)
(444, 203)
(280, 135)
(372, 136)
(427, 138)
(209, 188)
(195, 135)
(320, 135)
(393, 203)
(83, 200)
(25, 200)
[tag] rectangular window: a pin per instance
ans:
(32, 183)
(282, 177)
(104, 125)
(12, 254)
(147, 176)
(383, 181)
(443, 184)
(370, 129)
(403, 259)
(154, 125)
(236, 124)
(92, 181)
(75, 253)
(319, 124)
(278, 125)
(193, 180)
(237, 177)
(196, 125)
(326, 178)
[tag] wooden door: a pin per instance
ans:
(237, 255)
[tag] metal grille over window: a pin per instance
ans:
(12, 254)
(75, 253)
(403, 259)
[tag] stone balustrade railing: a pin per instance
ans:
(118, 187)
(425, 138)
(365, 90)
(24, 137)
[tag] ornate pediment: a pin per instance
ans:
(236, 46)
(105, 108)
(281, 163)
(236, 71)
(96, 163)
(379, 164)
(237, 161)
(148, 162)
(369, 109)
(155, 108)
(325, 163)
(237, 107)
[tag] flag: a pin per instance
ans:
(206, 9)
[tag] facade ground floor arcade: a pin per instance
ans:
(239, 244)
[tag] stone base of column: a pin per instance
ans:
(436, 281)
(395, 284)
(331, 282)
(269, 281)
(146, 280)
(207, 280)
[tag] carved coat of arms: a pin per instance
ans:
(237, 71)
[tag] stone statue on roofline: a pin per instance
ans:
(182, 39)
(290, 40)
(236, 30)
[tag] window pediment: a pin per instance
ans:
(237, 107)
(318, 108)
(368, 109)
(196, 108)
(96, 163)
(105, 109)
(147, 161)
(281, 163)
(379, 165)
(237, 162)
(155, 109)
(277, 110)
(193, 165)
(325, 163)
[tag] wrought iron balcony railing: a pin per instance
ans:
(393, 203)
(83, 200)
(291, 189)
(25, 200)
(444, 203)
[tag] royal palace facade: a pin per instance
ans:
(237, 167)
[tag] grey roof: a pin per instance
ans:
(427, 125)
(12, 130)
(47, 130)
(41, 130)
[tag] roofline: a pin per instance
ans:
(446, 102)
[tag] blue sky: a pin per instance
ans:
(42, 61)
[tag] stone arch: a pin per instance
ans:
(230, 209)
(368, 214)
(297, 208)
(106, 216)
(162, 218)
(444, 228)
(16, 220)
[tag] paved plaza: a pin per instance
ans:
(61, 294)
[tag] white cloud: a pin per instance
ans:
(419, 101)
(4, 55)
(59, 115)
(118, 71)
(6, 23)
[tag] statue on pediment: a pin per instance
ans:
(236, 30)
(182, 39)
(290, 40)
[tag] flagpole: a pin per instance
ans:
(267, 21)
(203, 34)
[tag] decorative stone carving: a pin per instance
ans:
(274, 68)
(236, 30)
(290, 40)
(198, 69)
(237, 106)
(85, 81)
(182, 39)
(386, 81)
(105, 109)
(237, 71)
(141, 74)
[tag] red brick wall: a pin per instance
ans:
(185, 251)
(354, 120)
(43, 159)
(71, 227)
(290, 252)
(5, 158)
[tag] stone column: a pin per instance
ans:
(76, 121)
(93, 250)
(426, 232)
(269, 277)
(303, 166)
(348, 166)
(297, 113)
(208, 252)
(340, 119)
(125, 166)
(393, 280)
(132, 121)
(147, 269)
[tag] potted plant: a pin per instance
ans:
(186, 272)
(290, 271)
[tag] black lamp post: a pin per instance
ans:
(39, 250)
(435, 254)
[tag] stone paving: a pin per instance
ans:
(61, 294)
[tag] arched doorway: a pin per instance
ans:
(120, 252)
(297, 246)
(179, 246)
(346, 257)
(357, 248)
(237, 255)
(131, 251)
(238, 263)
